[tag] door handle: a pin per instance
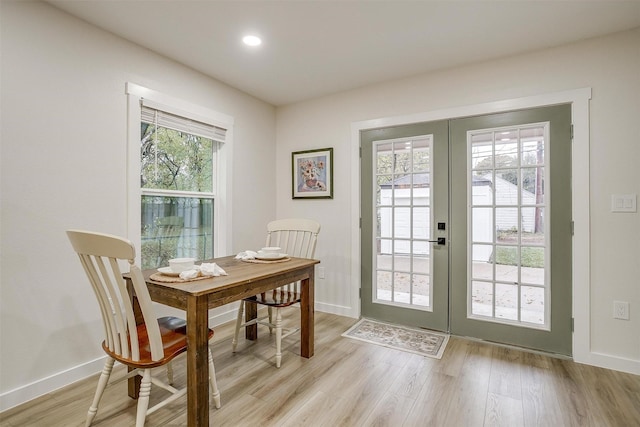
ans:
(440, 241)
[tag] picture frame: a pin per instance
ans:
(312, 174)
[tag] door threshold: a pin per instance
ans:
(515, 347)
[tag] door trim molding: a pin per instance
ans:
(579, 100)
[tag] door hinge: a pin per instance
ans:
(572, 132)
(360, 293)
(360, 222)
(573, 228)
(360, 150)
(573, 325)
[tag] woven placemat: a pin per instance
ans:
(264, 261)
(159, 277)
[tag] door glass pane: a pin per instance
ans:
(532, 145)
(421, 229)
(482, 298)
(482, 262)
(507, 225)
(421, 156)
(403, 210)
(383, 280)
(532, 186)
(421, 289)
(506, 149)
(532, 301)
(421, 187)
(507, 301)
(506, 263)
(482, 225)
(532, 262)
(507, 239)
(384, 159)
(384, 216)
(421, 258)
(482, 188)
(506, 187)
(482, 151)
(402, 223)
(401, 158)
(401, 287)
(383, 189)
(401, 248)
(385, 247)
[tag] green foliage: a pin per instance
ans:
(173, 160)
(402, 162)
(157, 252)
(531, 256)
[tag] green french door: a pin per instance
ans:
(511, 228)
(404, 190)
(466, 227)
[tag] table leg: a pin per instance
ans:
(250, 313)
(197, 362)
(307, 315)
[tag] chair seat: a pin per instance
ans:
(173, 331)
(276, 298)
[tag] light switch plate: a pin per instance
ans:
(624, 202)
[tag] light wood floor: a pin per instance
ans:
(352, 383)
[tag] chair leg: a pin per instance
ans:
(143, 398)
(270, 310)
(102, 384)
(213, 382)
(234, 343)
(170, 373)
(278, 337)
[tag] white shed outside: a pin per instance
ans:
(506, 195)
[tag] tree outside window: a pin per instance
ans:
(178, 188)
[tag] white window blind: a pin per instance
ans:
(169, 120)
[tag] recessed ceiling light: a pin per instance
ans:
(252, 40)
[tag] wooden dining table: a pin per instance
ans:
(244, 279)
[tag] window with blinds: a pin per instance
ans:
(178, 170)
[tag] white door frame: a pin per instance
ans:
(579, 100)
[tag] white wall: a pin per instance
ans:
(63, 165)
(609, 65)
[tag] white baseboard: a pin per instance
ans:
(54, 382)
(224, 317)
(339, 310)
(51, 383)
(608, 361)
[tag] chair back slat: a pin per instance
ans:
(107, 279)
(101, 256)
(297, 237)
(106, 309)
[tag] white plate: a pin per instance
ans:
(270, 257)
(167, 271)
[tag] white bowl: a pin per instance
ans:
(178, 265)
(271, 250)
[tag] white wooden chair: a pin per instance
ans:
(297, 238)
(151, 343)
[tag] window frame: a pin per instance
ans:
(222, 220)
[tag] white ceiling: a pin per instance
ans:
(314, 48)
